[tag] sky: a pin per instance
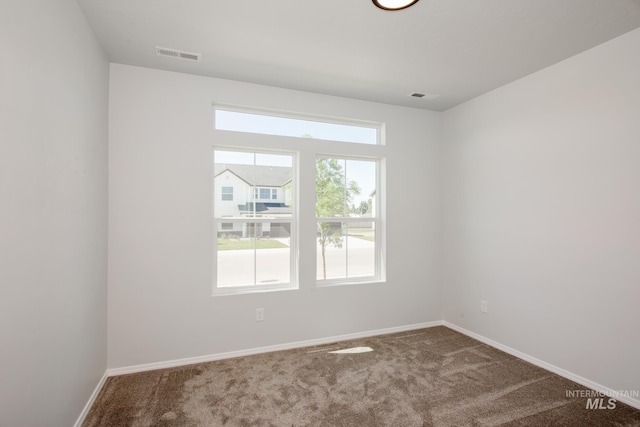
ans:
(272, 125)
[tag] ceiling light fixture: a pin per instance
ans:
(394, 4)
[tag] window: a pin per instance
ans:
(253, 239)
(335, 205)
(272, 123)
(227, 193)
(346, 220)
(265, 193)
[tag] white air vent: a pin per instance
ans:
(178, 54)
(424, 95)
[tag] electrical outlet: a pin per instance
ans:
(259, 314)
(484, 306)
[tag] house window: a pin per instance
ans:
(258, 255)
(227, 193)
(348, 245)
(264, 193)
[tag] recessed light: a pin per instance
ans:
(394, 4)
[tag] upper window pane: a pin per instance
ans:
(301, 128)
(239, 177)
(345, 187)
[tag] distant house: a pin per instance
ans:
(248, 190)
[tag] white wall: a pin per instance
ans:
(541, 200)
(160, 226)
(542, 214)
(53, 176)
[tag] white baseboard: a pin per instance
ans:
(267, 349)
(92, 398)
(549, 367)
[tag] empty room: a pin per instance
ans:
(323, 213)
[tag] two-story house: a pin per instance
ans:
(252, 191)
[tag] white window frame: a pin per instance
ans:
(379, 127)
(303, 228)
(257, 219)
(379, 274)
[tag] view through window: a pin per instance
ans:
(346, 218)
(255, 211)
(253, 232)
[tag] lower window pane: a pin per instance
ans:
(331, 250)
(345, 250)
(235, 267)
(253, 254)
(361, 254)
(273, 256)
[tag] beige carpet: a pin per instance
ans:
(428, 377)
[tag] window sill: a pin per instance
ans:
(221, 292)
(338, 283)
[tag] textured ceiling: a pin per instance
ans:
(457, 49)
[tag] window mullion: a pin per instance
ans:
(346, 250)
(255, 253)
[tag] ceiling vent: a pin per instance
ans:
(424, 95)
(178, 54)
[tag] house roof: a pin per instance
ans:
(260, 176)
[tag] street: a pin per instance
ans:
(236, 267)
